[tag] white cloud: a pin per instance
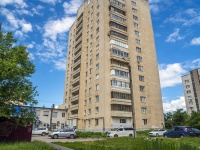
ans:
(20, 3)
(51, 1)
(174, 36)
(195, 41)
(170, 74)
(173, 105)
(26, 27)
(154, 8)
(19, 34)
(72, 6)
(60, 64)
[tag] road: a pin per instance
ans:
(49, 140)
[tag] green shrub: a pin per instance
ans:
(85, 134)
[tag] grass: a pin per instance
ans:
(127, 143)
(35, 145)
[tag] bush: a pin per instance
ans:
(85, 134)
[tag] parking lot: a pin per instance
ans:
(49, 140)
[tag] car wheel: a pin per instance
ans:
(165, 136)
(55, 136)
(71, 136)
(115, 135)
(130, 135)
(157, 135)
(181, 136)
(43, 134)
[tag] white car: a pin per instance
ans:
(157, 132)
(120, 132)
(40, 131)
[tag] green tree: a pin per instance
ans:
(194, 120)
(15, 72)
(179, 117)
(168, 120)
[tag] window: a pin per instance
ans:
(86, 74)
(138, 50)
(115, 17)
(37, 113)
(119, 107)
(135, 17)
(137, 41)
(96, 109)
(187, 86)
(116, 25)
(89, 111)
(96, 122)
(117, 10)
(117, 34)
(121, 64)
(139, 58)
(134, 10)
(90, 90)
(97, 30)
(46, 113)
(98, 7)
(97, 47)
(90, 100)
(144, 110)
(141, 78)
(144, 121)
(137, 33)
(84, 122)
(90, 61)
(97, 66)
(97, 87)
(140, 68)
(186, 81)
(133, 3)
(89, 122)
(84, 112)
(142, 88)
(97, 22)
(63, 114)
(90, 70)
(55, 114)
(85, 102)
(188, 92)
(117, 3)
(120, 73)
(119, 53)
(97, 76)
(97, 56)
(119, 95)
(97, 39)
(122, 120)
(97, 98)
(90, 80)
(142, 99)
(98, 14)
(190, 103)
(118, 43)
(122, 84)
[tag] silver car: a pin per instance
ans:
(69, 133)
(40, 131)
(157, 132)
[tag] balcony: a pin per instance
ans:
(75, 89)
(74, 107)
(78, 46)
(74, 98)
(121, 101)
(76, 71)
(77, 55)
(74, 115)
(76, 80)
(77, 63)
(116, 66)
(121, 114)
(119, 58)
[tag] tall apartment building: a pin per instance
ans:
(191, 86)
(107, 37)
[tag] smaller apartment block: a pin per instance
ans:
(191, 86)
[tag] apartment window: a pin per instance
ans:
(46, 113)
(63, 114)
(97, 30)
(122, 120)
(137, 33)
(55, 114)
(139, 50)
(97, 98)
(135, 17)
(121, 73)
(97, 39)
(90, 44)
(116, 25)
(97, 47)
(37, 112)
(140, 68)
(90, 70)
(133, 3)
(98, 7)
(84, 122)
(139, 58)
(97, 22)
(97, 87)
(89, 111)
(116, 83)
(119, 53)
(142, 88)
(186, 81)
(97, 66)
(84, 112)
(144, 121)
(90, 90)
(187, 86)
(91, 36)
(90, 80)
(89, 122)
(144, 110)
(191, 108)
(90, 61)
(117, 3)
(86, 74)
(118, 43)
(134, 10)
(117, 10)
(118, 107)
(85, 102)
(188, 92)
(142, 99)
(96, 122)
(137, 41)
(98, 14)
(97, 56)
(117, 34)
(119, 95)
(190, 103)
(90, 100)
(141, 78)
(86, 64)
(121, 64)
(97, 76)
(96, 109)
(115, 17)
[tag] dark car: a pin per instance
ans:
(179, 131)
(195, 133)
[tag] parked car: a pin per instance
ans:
(120, 132)
(66, 132)
(178, 131)
(195, 133)
(40, 131)
(157, 132)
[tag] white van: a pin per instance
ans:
(120, 132)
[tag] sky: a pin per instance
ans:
(43, 26)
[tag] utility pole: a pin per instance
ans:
(51, 116)
(132, 102)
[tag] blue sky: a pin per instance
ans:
(43, 25)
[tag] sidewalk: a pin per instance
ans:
(59, 147)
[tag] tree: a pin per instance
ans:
(194, 120)
(168, 120)
(15, 72)
(179, 117)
